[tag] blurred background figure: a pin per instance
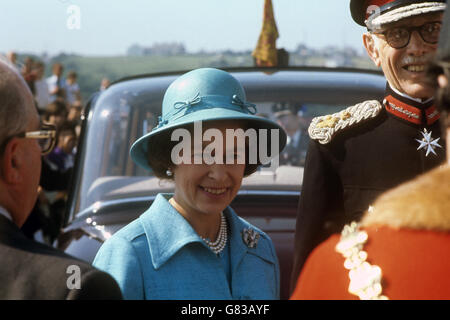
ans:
(47, 216)
(28, 73)
(74, 116)
(290, 117)
(61, 162)
(55, 113)
(12, 58)
(41, 94)
(56, 83)
(105, 84)
(62, 156)
(72, 89)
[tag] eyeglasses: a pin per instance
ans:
(46, 137)
(399, 37)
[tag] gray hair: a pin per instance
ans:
(14, 114)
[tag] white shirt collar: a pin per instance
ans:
(5, 213)
(408, 97)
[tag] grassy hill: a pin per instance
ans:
(92, 69)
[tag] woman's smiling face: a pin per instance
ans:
(209, 189)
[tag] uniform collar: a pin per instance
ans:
(410, 109)
(167, 232)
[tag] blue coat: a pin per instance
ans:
(160, 256)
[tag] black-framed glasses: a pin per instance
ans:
(399, 37)
(46, 137)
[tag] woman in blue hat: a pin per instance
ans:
(191, 244)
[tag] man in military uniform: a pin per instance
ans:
(371, 147)
(289, 116)
(404, 236)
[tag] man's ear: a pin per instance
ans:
(11, 162)
(372, 48)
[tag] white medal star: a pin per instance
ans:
(428, 142)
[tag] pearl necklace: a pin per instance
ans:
(221, 241)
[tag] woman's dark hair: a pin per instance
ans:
(161, 161)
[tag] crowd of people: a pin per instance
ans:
(59, 103)
(373, 219)
(29, 170)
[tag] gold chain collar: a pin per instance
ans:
(365, 279)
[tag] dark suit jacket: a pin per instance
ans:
(30, 270)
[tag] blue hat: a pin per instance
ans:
(205, 94)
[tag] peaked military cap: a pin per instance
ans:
(376, 13)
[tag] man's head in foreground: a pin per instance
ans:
(20, 156)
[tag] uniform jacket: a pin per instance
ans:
(343, 177)
(30, 270)
(408, 238)
(160, 256)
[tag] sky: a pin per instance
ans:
(110, 27)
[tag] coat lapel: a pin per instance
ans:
(239, 248)
(166, 230)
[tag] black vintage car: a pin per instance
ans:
(109, 190)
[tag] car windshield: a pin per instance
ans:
(129, 109)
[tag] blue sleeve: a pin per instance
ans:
(118, 257)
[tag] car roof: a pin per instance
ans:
(256, 71)
(281, 84)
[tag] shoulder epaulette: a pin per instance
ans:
(324, 128)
